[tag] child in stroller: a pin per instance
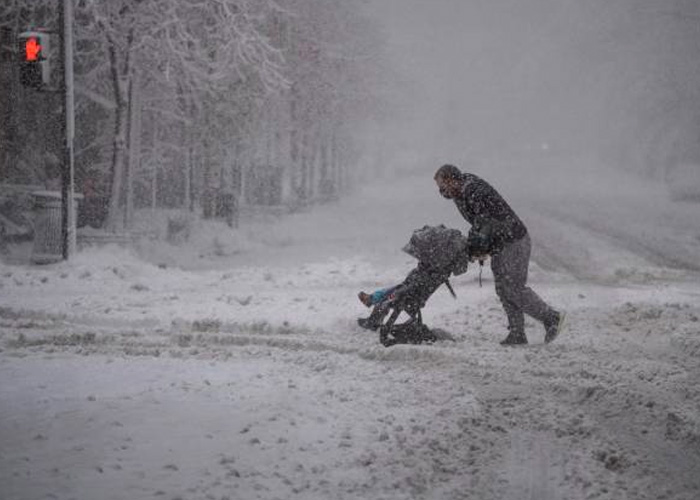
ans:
(441, 252)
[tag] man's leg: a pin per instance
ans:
(510, 268)
(505, 281)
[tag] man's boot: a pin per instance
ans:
(514, 339)
(554, 326)
(516, 329)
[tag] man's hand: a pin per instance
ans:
(480, 257)
(479, 241)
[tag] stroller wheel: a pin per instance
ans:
(413, 332)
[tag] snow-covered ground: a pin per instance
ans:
(232, 367)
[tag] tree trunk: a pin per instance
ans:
(315, 140)
(326, 183)
(134, 156)
(323, 145)
(294, 146)
(304, 157)
(154, 188)
(9, 82)
(118, 159)
(120, 82)
(154, 173)
(189, 204)
(335, 160)
(268, 133)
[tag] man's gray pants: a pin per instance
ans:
(509, 268)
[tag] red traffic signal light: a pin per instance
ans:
(32, 49)
(34, 59)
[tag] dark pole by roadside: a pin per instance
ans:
(67, 184)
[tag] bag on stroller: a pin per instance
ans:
(441, 252)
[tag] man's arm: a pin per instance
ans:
(493, 217)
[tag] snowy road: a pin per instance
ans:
(246, 377)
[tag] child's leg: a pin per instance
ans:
(375, 318)
(381, 295)
(375, 297)
(378, 300)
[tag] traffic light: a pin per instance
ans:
(34, 59)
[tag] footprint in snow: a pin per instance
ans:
(244, 301)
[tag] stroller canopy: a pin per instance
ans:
(440, 248)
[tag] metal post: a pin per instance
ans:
(68, 178)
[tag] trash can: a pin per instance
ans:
(48, 243)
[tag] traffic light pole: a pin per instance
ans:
(68, 225)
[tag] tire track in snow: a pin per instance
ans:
(625, 240)
(532, 469)
(533, 435)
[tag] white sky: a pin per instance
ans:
(489, 69)
(511, 73)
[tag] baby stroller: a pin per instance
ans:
(441, 252)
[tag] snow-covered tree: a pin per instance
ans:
(332, 51)
(182, 53)
(179, 97)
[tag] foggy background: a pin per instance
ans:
(617, 81)
(296, 103)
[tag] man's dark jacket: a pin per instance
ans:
(487, 211)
